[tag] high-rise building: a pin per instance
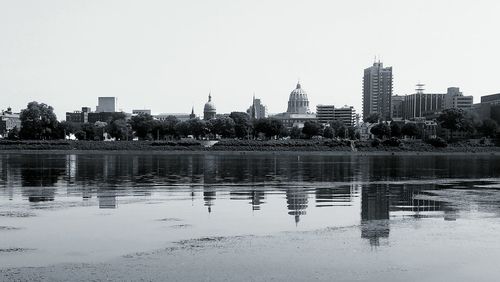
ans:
(377, 91)
(257, 109)
(106, 105)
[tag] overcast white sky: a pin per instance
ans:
(167, 55)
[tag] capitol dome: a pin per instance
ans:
(298, 102)
(209, 110)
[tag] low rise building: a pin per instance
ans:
(346, 114)
(325, 113)
(9, 121)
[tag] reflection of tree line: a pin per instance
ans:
(110, 175)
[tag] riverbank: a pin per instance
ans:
(320, 146)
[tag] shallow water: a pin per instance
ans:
(73, 208)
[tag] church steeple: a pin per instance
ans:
(192, 115)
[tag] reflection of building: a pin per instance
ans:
(106, 104)
(338, 196)
(377, 91)
(209, 111)
(375, 213)
(107, 199)
(256, 197)
(296, 200)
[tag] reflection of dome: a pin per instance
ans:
(209, 110)
(298, 102)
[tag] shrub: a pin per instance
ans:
(437, 142)
(376, 142)
(393, 142)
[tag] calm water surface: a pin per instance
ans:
(94, 207)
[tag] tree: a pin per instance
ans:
(270, 127)
(296, 132)
(242, 124)
(312, 128)
(38, 121)
(328, 132)
(119, 129)
(489, 128)
(223, 126)
(198, 128)
(64, 129)
(13, 134)
(453, 120)
(410, 130)
(182, 129)
(351, 131)
(87, 132)
(142, 125)
(372, 118)
(395, 129)
(381, 130)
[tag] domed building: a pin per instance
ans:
(298, 102)
(209, 111)
(297, 112)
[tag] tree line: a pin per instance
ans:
(453, 120)
(39, 122)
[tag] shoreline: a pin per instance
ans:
(243, 147)
(247, 152)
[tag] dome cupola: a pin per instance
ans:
(298, 102)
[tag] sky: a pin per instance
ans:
(168, 55)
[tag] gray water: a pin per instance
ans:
(95, 208)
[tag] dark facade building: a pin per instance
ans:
(491, 99)
(397, 107)
(377, 91)
(78, 116)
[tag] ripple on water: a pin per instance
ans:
(16, 214)
(7, 228)
(14, 250)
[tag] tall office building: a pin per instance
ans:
(257, 109)
(377, 91)
(106, 105)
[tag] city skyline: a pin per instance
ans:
(67, 53)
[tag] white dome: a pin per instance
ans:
(298, 102)
(209, 106)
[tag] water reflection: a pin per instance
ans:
(306, 181)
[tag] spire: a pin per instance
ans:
(192, 110)
(210, 96)
(298, 84)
